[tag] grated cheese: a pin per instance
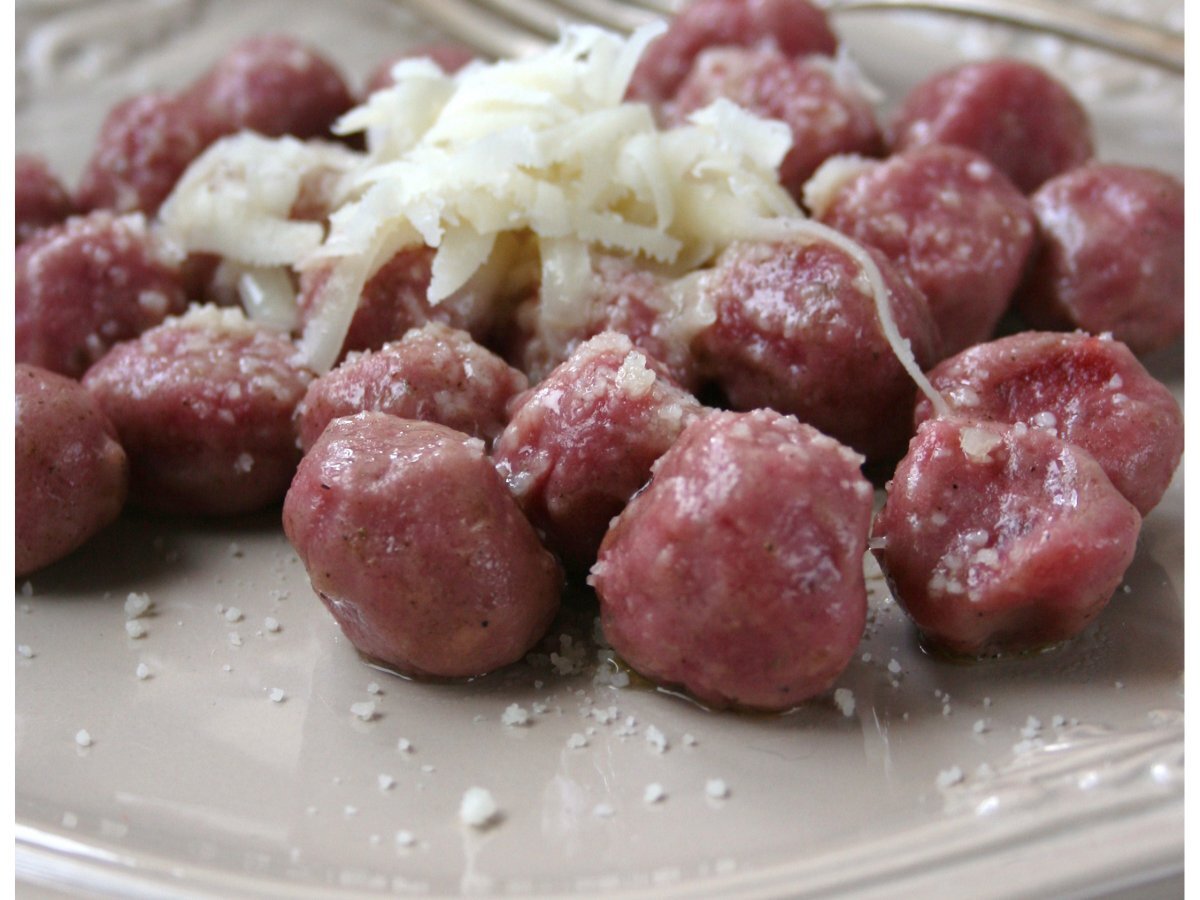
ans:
(542, 145)
(542, 149)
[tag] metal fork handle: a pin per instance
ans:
(516, 27)
(1116, 34)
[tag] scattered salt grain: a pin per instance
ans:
(233, 614)
(271, 624)
(602, 811)
(949, 777)
(478, 807)
(894, 667)
(428, 769)
(1032, 728)
(137, 605)
(980, 726)
(576, 741)
(716, 788)
(142, 671)
(656, 739)
(653, 793)
(1058, 722)
(386, 782)
(404, 745)
(605, 716)
(515, 715)
(689, 739)
(276, 695)
(405, 839)
(1118, 685)
(227, 668)
(1029, 745)
(135, 629)
(349, 810)
(364, 710)
(843, 698)
(70, 820)
(82, 738)
(25, 650)
(987, 701)
(235, 549)
(235, 639)
(374, 688)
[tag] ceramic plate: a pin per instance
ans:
(260, 756)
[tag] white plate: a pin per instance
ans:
(198, 784)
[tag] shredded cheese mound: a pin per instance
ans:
(540, 153)
(545, 146)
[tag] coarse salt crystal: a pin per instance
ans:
(137, 605)
(428, 769)
(271, 624)
(515, 715)
(894, 667)
(980, 726)
(602, 811)
(142, 671)
(386, 782)
(653, 793)
(135, 629)
(1032, 728)
(82, 738)
(235, 639)
(374, 688)
(478, 807)
(843, 698)
(404, 745)
(949, 777)
(25, 650)
(276, 695)
(233, 614)
(576, 741)
(405, 839)
(689, 739)
(716, 788)
(365, 710)
(656, 739)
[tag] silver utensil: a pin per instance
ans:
(506, 28)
